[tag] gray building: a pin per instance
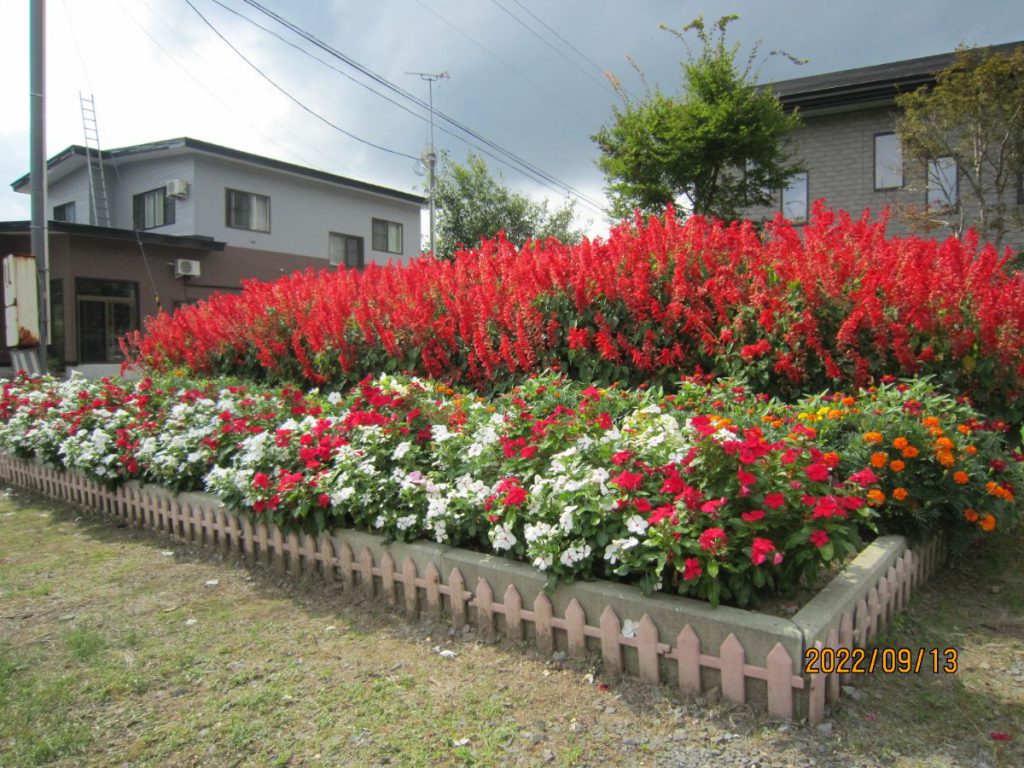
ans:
(852, 156)
(184, 219)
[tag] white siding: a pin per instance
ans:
(132, 178)
(71, 189)
(303, 211)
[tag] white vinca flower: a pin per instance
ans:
(401, 450)
(636, 524)
(502, 538)
(574, 555)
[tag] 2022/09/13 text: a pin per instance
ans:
(860, 661)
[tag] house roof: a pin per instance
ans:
(76, 152)
(878, 83)
(190, 242)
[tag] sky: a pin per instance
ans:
(526, 76)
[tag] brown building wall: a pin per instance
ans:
(74, 257)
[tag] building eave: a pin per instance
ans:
(205, 147)
(864, 86)
(192, 243)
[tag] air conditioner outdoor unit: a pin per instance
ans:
(186, 268)
(177, 188)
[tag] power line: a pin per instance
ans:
(554, 32)
(558, 188)
(285, 93)
(519, 163)
(555, 99)
(559, 51)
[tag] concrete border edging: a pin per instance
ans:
(748, 657)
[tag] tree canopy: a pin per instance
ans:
(968, 131)
(715, 148)
(473, 205)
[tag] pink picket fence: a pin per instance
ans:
(584, 626)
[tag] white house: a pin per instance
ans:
(185, 218)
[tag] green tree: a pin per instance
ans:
(974, 117)
(473, 205)
(716, 148)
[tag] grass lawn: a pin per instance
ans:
(118, 647)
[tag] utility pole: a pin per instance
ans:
(37, 150)
(429, 155)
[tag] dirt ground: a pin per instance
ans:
(120, 648)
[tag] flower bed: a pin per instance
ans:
(743, 656)
(836, 304)
(710, 491)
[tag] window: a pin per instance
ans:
(387, 236)
(64, 212)
(347, 250)
(888, 161)
(153, 209)
(794, 198)
(942, 178)
(106, 310)
(247, 210)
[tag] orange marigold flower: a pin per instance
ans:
(910, 452)
(830, 460)
(943, 444)
(945, 458)
(970, 515)
(873, 437)
(960, 477)
(897, 466)
(900, 443)
(963, 429)
(848, 401)
(875, 497)
(879, 459)
(900, 494)
(835, 414)
(930, 421)
(936, 432)
(987, 523)
(971, 449)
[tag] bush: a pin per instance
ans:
(835, 305)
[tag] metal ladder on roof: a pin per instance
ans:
(99, 213)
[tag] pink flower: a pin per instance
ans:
(713, 540)
(865, 477)
(515, 497)
(817, 472)
(692, 569)
(818, 538)
(746, 478)
(774, 500)
(528, 452)
(711, 507)
(760, 549)
(753, 515)
(628, 481)
(261, 480)
(621, 458)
